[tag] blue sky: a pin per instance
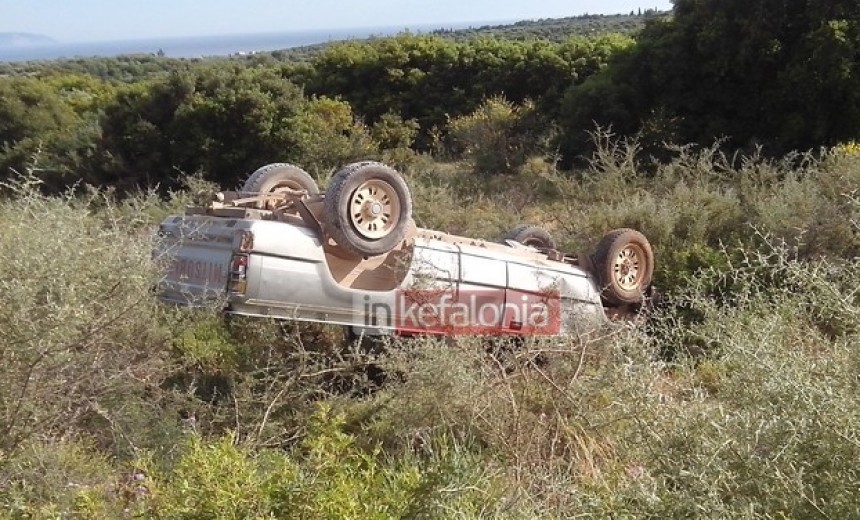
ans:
(102, 20)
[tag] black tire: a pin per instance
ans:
(271, 177)
(528, 235)
(367, 234)
(624, 264)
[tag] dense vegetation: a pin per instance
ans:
(783, 75)
(224, 118)
(737, 399)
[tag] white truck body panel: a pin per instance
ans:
(288, 277)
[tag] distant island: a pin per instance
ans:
(24, 40)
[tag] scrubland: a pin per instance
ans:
(737, 399)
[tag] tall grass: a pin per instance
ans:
(736, 400)
(79, 329)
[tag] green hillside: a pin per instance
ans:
(727, 133)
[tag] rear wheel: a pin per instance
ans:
(279, 177)
(368, 208)
(624, 264)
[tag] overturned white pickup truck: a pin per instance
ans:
(353, 256)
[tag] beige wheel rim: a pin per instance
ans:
(628, 267)
(374, 209)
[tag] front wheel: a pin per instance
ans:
(624, 264)
(529, 235)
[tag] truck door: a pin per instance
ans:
(532, 300)
(430, 290)
(483, 282)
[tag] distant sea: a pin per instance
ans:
(203, 46)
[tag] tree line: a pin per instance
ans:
(783, 76)
(224, 118)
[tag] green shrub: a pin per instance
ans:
(49, 479)
(329, 135)
(327, 476)
(81, 331)
(774, 432)
(737, 399)
(498, 136)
